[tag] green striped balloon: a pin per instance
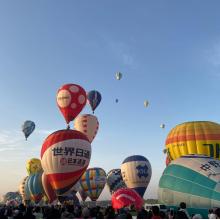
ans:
(193, 179)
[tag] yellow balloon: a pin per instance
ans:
(196, 137)
(33, 166)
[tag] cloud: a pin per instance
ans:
(122, 51)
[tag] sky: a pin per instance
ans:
(168, 53)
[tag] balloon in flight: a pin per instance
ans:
(94, 98)
(65, 156)
(88, 125)
(118, 75)
(146, 103)
(71, 99)
(136, 173)
(27, 128)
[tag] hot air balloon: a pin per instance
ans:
(48, 190)
(93, 182)
(71, 99)
(167, 160)
(146, 103)
(33, 166)
(65, 156)
(35, 187)
(193, 179)
(27, 128)
(114, 180)
(118, 75)
(116, 100)
(94, 98)
(125, 197)
(162, 126)
(82, 194)
(196, 137)
(22, 188)
(27, 193)
(136, 173)
(88, 125)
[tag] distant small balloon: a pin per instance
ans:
(118, 75)
(116, 100)
(162, 125)
(27, 128)
(146, 103)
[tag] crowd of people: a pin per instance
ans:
(97, 212)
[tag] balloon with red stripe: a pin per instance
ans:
(71, 99)
(125, 197)
(65, 156)
(88, 125)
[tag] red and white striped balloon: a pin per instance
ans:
(65, 156)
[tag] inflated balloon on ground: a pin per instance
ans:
(114, 180)
(196, 137)
(193, 179)
(136, 173)
(33, 166)
(93, 182)
(65, 156)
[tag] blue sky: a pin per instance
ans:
(168, 52)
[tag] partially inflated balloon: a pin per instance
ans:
(93, 182)
(126, 197)
(136, 173)
(193, 179)
(33, 166)
(196, 137)
(88, 125)
(35, 186)
(22, 188)
(51, 195)
(94, 98)
(114, 180)
(71, 99)
(65, 156)
(27, 128)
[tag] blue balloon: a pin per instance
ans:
(27, 128)
(94, 97)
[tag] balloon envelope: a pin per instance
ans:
(114, 180)
(118, 75)
(94, 98)
(22, 188)
(88, 125)
(27, 128)
(126, 197)
(146, 103)
(33, 166)
(65, 156)
(193, 179)
(51, 195)
(35, 186)
(136, 173)
(93, 182)
(196, 137)
(71, 99)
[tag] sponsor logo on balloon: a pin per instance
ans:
(142, 171)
